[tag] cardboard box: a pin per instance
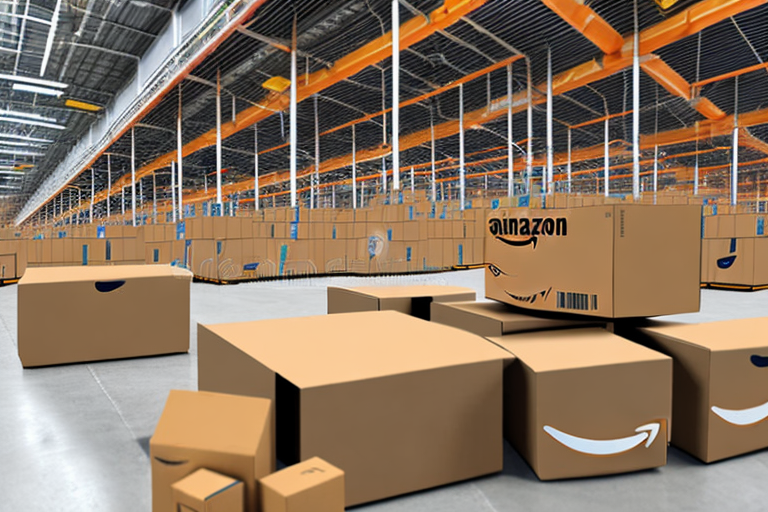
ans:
(608, 261)
(407, 406)
(411, 300)
(86, 307)
(497, 319)
(208, 491)
(7, 266)
(232, 435)
(585, 402)
(720, 397)
(736, 261)
(310, 486)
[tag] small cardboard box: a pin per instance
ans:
(232, 435)
(85, 310)
(497, 319)
(411, 300)
(208, 491)
(398, 403)
(310, 486)
(585, 402)
(720, 400)
(613, 261)
(736, 261)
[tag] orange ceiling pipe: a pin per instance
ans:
(600, 119)
(588, 23)
(732, 74)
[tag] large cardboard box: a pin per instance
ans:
(497, 319)
(208, 491)
(85, 310)
(231, 435)
(609, 261)
(398, 403)
(411, 300)
(585, 402)
(310, 486)
(720, 400)
(736, 261)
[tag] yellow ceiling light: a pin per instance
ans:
(277, 84)
(23, 166)
(82, 105)
(666, 4)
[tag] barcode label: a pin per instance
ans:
(576, 301)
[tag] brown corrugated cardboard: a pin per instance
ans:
(310, 486)
(585, 402)
(7, 266)
(398, 403)
(411, 300)
(232, 435)
(208, 491)
(622, 261)
(497, 319)
(720, 400)
(83, 306)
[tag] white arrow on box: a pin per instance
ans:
(646, 433)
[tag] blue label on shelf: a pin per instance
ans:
(389, 235)
(250, 267)
(410, 213)
(205, 209)
(760, 226)
(85, 254)
(283, 257)
(494, 204)
(215, 210)
(181, 230)
(407, 254)
(524, 201)
(461, 254)
(62, 234)
(294, 230)
(101, 232)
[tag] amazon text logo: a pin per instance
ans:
(530, 229)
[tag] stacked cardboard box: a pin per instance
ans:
(735, 250)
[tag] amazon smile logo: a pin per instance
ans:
(605, 447)
(742, 417)
(525, 231)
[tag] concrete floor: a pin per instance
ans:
(75, 438)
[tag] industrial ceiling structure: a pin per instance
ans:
(703, 71)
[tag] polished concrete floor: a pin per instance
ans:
(75, 438)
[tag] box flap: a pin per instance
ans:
(322, 350)
(213, 421)
(301, 476)
(204, 484)
(512, 321)
(100, 273)
(388, 292)
(724, 335)
(574, 348)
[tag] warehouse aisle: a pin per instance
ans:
(75, 437)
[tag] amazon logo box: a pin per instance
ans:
(309, 486)
(398, 403)
(231, 435)
(612, 261)
(86, 308)
(720, 388)
(411, 300)
(585, 402)
(735, 261)
(497, 319)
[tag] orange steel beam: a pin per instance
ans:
(439, 90)
(667, 77)
(588, 23)
(732, 74)
(600, 119)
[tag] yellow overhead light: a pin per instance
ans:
(666, 4)
(82, 105)
(277, 84)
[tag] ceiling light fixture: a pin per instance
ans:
(33, 81)
(10, 187)
(36, 117)
(21, 144)
(31, 123)
(19, 153)
(37, 90)
(24, 137)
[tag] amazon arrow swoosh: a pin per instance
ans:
(646, 433)
(743, 417)
(520, 243)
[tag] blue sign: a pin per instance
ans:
(181, 230)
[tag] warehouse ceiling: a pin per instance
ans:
(680, 106)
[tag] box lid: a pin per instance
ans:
(724, 335)
(203, 484)
(213, 421)
(390, 292)
(329, 349)
(301, 476)
(574, 348)
(512, 321)
(48, 275)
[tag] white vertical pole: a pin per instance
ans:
(293, 119)
(568, 168)
(362, 194)
(333, 196)
(462, 184)
(432, 153)
(354, 170)
(635, 110)
(154, 197)
(218, 141)
(413, 183)
(384, 132)
(655, 171)
(93, 192)
(696, 164)
(122, 197)
(173, 191)
(316, 180)
(607, 158)
(256, 167)
(109, 181)
(179, 156)
(396, 94)
(510, 137)
(529, 156)
(133, 177)
(550, 139)
(735, 150)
